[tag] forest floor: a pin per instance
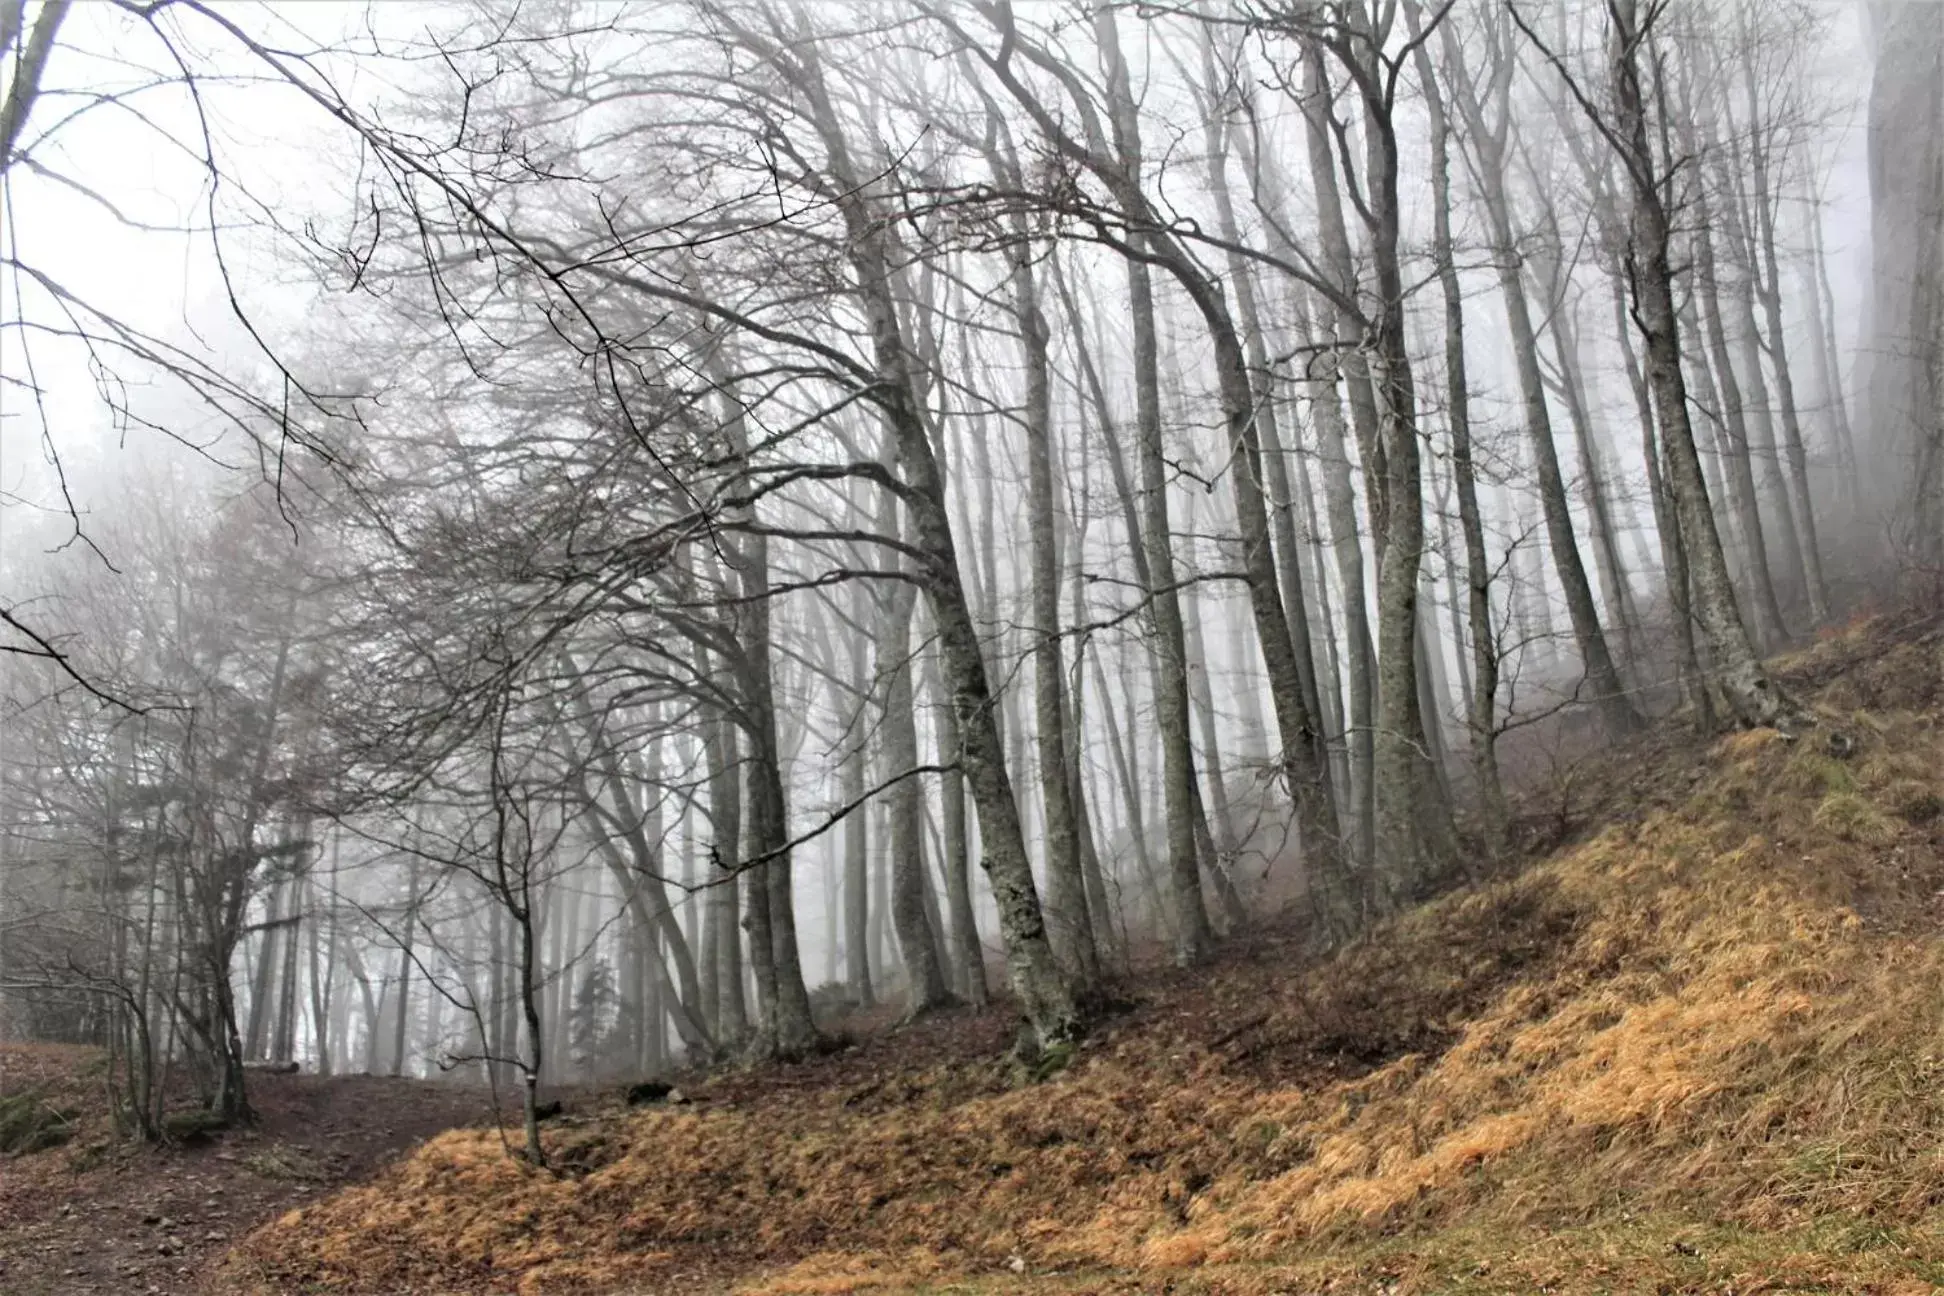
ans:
(1691, 1041)
(99, 1217)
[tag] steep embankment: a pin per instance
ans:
(1701, 1049)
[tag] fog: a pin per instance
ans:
(550, 543)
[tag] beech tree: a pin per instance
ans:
(713, 473)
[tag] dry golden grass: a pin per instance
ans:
(1725, 1011)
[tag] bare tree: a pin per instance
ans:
(1752, 696)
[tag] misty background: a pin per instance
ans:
(545, 543)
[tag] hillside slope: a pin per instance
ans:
(1699, 1050)
(94, 1215)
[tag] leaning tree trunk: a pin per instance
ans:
(1596, 660)
(1045, 997)
(1268, 424)
(1743, 680)
(1674, 563)
(1302, 761)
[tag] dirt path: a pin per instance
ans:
(150, 1220)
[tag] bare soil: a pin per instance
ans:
(101, 1218)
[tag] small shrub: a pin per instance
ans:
(1812, 773)
(1885, 768)
(1850, 817)
(90, 1156)
(193, 1126)
(1042, 1065)
(1913, 801)
(281, 1161)
(648, 1091)
(29, 1124)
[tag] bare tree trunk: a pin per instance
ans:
(261, 981)
(323, 977)
(731, 1018)
(1169, 653)
(1743, 680)
(1220, 824)
(1099, 904)
(1433, 688)
(1330, 684)
(1760, 418)
(1482, 690)
(1119, 167)
(966, 950)
(1449, 555)
(432, 1025)
(1415, 837)
(498, 1064)
(642, 886)
(283, 1038)
(1615, 588)
(1733, 426)
(1489, 146)
(1071, 928)
(534, 1057)
(1765, 275)
(1302, 762)
(1141, 553)
(786, 1025)
(556, 987)
(1829, 366)
(925, 989)
(1339, 494)
(1043, 992)
(1127, 774)
(1267, 426)
(30, 61)
(857, 849)
(653, 1035)
(1674, 564)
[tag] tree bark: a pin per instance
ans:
(967, 952)
(1415, 838)
(1070, 926)
(1766, 277)
(1488, 150)
(1482, 692)
(1674, 564)
(925, 989)
(1339, 493)
(1733, 426)
(729, 1017)
(1741, 676)
(1045, 997)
